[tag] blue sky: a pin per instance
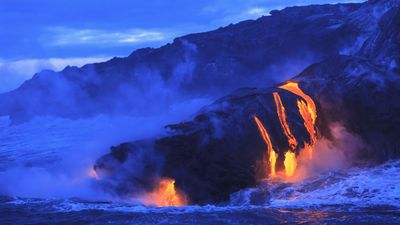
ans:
(41, 34)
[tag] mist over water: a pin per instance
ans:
(56, 126)
(53, 157)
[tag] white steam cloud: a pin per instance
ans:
(330, 155)
(155, 102)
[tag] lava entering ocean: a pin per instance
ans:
(308, 112)
(165, 194)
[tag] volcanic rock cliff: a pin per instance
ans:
(220, 151)
(250, 53)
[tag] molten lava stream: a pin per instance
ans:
(280, 110)
(271, 153)
(308, 112)
(165, 195)
(295, 89)
(307, 118)
(290, 163)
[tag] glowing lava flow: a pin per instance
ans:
(290, 157)
(309, 125)
(308, 121)
(165, 195)
(271, 153)
(308, 112)
(280, 109)
(294, 88)
(290, 163)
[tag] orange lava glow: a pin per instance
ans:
(290, 163)
(308, 121)
(294, 88)
(280, 109)
(165, 195)
(307, 110)
(271, 153)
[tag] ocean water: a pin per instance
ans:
(67, 211)
(45, 179)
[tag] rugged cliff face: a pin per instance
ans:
(251, 53)
(353, 55)
(221, 150)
